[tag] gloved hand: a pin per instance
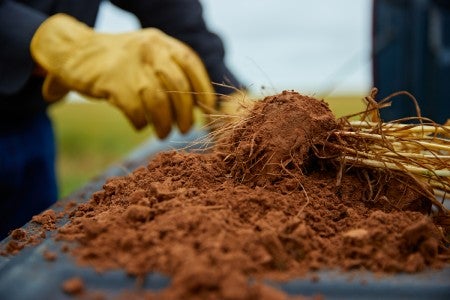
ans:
(151, 77)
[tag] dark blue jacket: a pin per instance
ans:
(411, 51)
(20, 92)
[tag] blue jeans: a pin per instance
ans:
(27, 172)
(411, 51)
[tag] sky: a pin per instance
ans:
(319, 47)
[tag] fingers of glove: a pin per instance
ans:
(158, 108)
(53, 89)
(132, 108)
(177, 88)
(194, 69)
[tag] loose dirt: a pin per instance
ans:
(260, 205)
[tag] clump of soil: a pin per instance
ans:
(277, 136)
(261, 205)
(73, 286)
(33, 235)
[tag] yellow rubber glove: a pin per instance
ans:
(150, 76)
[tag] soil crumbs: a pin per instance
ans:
(259, 206)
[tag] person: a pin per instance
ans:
(411, 52)
(154, 75)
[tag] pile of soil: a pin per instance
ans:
(260, 205)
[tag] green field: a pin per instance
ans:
(93, 136)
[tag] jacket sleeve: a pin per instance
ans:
(183, 19)
(17, 26)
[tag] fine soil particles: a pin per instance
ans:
(259, 205)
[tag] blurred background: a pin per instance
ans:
(320, 48)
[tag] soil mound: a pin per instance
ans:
(261, 205)
(276, 136)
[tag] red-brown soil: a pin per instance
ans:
(259, 205)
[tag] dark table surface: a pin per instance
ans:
(28, 275)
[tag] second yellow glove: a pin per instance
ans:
(151, 77)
